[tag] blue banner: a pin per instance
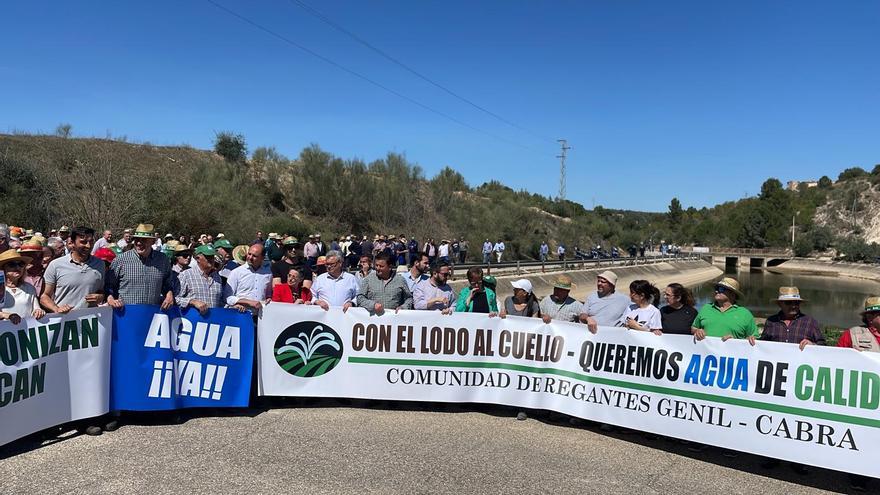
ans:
(173, 359)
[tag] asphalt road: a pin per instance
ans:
(330, 448)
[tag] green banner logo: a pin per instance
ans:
(308, 349)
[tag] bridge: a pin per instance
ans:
(521, 267)
(746, 257)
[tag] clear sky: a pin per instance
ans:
(699, 100)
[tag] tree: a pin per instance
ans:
(675, 212)
(770, 187)
(63, 130)
(821, 238)
(825, 182)
(852, 173)
(230, 146)
(876, 170)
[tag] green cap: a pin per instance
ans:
(116, 249)
(222, 243)
(206, 250)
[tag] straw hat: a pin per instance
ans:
(730, 283)
(563, 282)
(239, 254)
(788, 294)
(31, 246)
(9, 256)
(872, 304)
(144, 231)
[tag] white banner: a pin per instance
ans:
(818, 406)
(53, 371)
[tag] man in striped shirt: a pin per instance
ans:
(201, 287)
(384, 289)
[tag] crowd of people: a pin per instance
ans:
(73, 268)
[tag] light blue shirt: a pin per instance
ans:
(606, 310)
(411, 282)
(336, 291)
(425, 290)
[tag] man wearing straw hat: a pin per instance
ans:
(867, 337)
(182, 257)
(789, 325)
(558, 305)
(140, 275)
(724, 318)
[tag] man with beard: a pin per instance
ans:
(435, 293)
(75, 280)
(384, 289)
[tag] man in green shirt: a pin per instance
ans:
(724, 318)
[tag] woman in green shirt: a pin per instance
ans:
(475, 298)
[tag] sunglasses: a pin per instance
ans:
(15, 264)
(721, 289)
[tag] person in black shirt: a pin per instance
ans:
(292, 259)
(679, 312)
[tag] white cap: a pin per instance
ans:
(523, 284)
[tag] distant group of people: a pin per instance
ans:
(41, 277)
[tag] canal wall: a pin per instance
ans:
(687, 273)
(831, 268)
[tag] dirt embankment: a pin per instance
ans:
(831, 268)
(687, 273)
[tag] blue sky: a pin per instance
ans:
(699, 100)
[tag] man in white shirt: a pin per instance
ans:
(126, 238)
(103, 242)
(249, 286)
(336, 287)
(499, 249)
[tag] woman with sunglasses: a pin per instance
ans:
(20, 298)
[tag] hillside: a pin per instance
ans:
(50, 180)
(853, 209)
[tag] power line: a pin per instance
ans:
(409, 69)
(361, 76)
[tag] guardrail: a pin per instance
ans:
(521, 266)
(748, 251)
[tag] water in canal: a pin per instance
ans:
(831, 300)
